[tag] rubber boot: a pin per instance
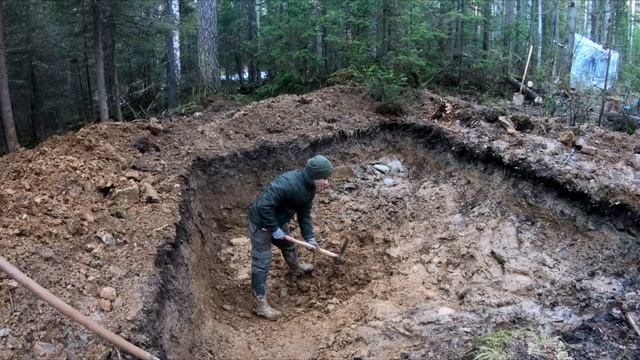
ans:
(263, 309)
(296, 268)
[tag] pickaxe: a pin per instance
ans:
(338, 258)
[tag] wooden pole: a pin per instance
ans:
(311, 247)
(526, 68)
(604, 91)
(72, 313)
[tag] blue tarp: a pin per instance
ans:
(589, 64)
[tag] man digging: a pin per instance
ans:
(290, 193)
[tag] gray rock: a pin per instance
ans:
(4, 333)
(396, 166)
(141, 165)
(382, 168)
(106, 237)
(149, 194)
(44, 350)
(389, 182)
(349, 186)
(589, 150)
(133, 174)
(240, 241)
(130, 194)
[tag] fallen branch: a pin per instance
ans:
(530, 94)
(632, 323)
(161, 227)
(617, 117)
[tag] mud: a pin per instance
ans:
(446, 247)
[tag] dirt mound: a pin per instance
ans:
(102, 208)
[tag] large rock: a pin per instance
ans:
(108, 293)
(106, 237)
(567, 138)
(149, 194)
(130, 194)
(239, 242)
(43, 350)
(589, 150)
(382, 168)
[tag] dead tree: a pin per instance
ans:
(10, 135)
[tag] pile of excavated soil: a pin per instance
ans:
(121, 206)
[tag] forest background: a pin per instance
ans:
(68, 63)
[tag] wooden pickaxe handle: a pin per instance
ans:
(70, 312)
(309, 246)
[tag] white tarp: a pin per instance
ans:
(589, 65)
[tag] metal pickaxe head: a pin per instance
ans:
(340, 259)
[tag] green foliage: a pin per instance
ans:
(386, 86)
(287, 83)
(519, 344)
(350, 76)
(627, 126)
(383, 45)
(550, 104)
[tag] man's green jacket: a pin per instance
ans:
(290, 193)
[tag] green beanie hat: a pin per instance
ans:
(318, 167)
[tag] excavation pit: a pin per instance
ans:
(444, 248)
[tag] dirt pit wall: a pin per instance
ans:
(444, 249)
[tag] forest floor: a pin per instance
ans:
(468, 228)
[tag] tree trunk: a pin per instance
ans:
(540, 32)
(175, 12)
(606, 25)
(113, 65)
(100, 83)
(460, 34)
(585, 18)
(209, 68)
(633, 28)
(316, 11)
(11, 138)
(37, 125)
(509, 31)
(237, 58)
(594, 20)
(89, 104)
(252, 35)
(556, 38)
(172, 61)
(570, 38)
(82, 108)
(486, 31)
(383, 29)
(619, 118)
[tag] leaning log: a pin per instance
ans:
(530, 94)
(616, 117)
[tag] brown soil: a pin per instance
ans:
(483, 231)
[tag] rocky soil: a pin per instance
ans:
(141, 226)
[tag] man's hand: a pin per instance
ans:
(312, 241)
(278, 234)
